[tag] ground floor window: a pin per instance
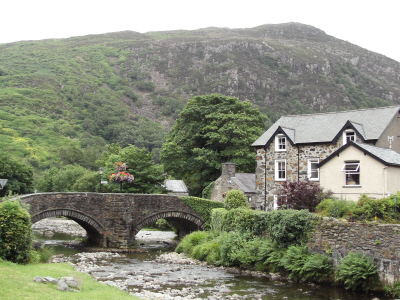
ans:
(312, 170)
(351, 171)
(280, 170)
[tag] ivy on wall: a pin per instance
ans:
(203, 207)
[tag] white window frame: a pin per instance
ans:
(350, 172)
(280, 142)
(279, 170)
(349, 134)
(310, 162)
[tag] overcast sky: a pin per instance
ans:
(372, 24)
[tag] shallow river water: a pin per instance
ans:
(158, 273)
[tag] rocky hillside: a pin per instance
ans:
(119, 87)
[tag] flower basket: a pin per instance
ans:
(121, 176)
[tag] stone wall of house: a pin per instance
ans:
(378, 241)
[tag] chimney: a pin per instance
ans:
(229, 169)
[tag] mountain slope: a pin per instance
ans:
(78, 94)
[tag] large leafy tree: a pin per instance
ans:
(19, 175)
(148, 176)
(211, 130)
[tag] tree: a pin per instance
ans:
(19, 175)
(211, 130)
(301, 195)
(148, 176)
(236, 199)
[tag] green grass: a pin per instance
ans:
(16, 282)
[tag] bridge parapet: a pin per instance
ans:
(113, 220)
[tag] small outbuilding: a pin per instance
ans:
(176, 188)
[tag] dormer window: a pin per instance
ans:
(280, 142)
(349, 135)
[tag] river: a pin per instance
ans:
(156, 272)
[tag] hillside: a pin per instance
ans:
(62, 101)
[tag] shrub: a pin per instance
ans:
(239, 219)
(15, 232)
(368, 208)
(236, 199)
(336, 208)
(232, 243)
(190, 241)
(301, 195)
(45, 254)
(289, 227)
(393, 290)
(358, 272)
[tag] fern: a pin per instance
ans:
(358, 272)
(317, 268)
(294, 260)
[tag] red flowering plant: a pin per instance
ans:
(121, 175)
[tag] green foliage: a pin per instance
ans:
(365, 209)
(236, 199)
(317, 268)
(211, 130)
(70, 178)
(190, 241)
(358, 272)
(336, 208)
(203, 207)
(45, 254)
(289, 227)
(19, 175)
(15, 232)
(294, 260)
(270, 255)
(207, 191)
(148, 176)
(239, 219)
(393, 290)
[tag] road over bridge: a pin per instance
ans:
(113, 220)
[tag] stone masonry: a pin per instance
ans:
(378, 241)
(113, 220)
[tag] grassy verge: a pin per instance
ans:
(16, 282)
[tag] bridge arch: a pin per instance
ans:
(93, 228)
(184, 222)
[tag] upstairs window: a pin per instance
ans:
(280, 170)
(351, 173)
(349, 135)
(280, 143)
(312, 170)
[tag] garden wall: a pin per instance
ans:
(378, 241)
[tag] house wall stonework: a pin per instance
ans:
(296, 157)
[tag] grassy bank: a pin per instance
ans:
(16, 282)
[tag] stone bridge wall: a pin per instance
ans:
(112, 220)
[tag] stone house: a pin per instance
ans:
(230, 180)
(295, 147)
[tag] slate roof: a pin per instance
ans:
(324, 127)
(176, 186)
(385, 155)
(245, 181)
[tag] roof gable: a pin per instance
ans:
(324, 127)
(384, 155)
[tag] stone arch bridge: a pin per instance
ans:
(113, 220)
